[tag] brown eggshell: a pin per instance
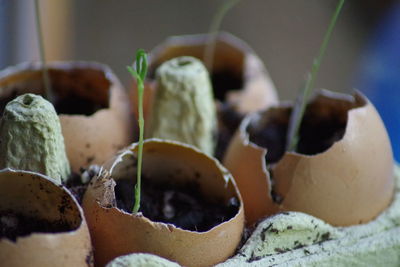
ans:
(34, 195)
(89, 139)
(116, 232)
(349, 183)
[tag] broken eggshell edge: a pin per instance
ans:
(116, 232)
(341, 185)
(88, 139)
(32, 193)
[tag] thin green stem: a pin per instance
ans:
(301, 101)
(45, 72)
(140, 149)
(139, 74)
(214, 28)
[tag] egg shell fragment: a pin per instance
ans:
(116, 232)
(340, 185)
(33, 194)
(89, 138)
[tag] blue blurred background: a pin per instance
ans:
(379, 73)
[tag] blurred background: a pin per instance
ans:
(364, 51)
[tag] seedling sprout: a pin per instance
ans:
(139, 73)
(214, 28)
(45, 72)
(302, 98)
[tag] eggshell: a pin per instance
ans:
(89, 139)
(33, 194)
(117, 233)
(349, 183)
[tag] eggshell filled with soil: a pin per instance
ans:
(41, 223)
(90, 101)
(331, 175)
(116, 232)
(240, 82)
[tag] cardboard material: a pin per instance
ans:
(88, 139)
(232, 54)
(340, 185)
(116, 232)
(36, 195)
(141, 260)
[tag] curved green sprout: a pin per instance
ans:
(45, 71)
(139, 73)
(214, 28)
(301, 101)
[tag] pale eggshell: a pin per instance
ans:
(89, 139)
(349, 183)
(115, 232)
(35, 195)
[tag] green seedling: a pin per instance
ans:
(139, 73)
(45, 71)
(214, 28)
(304, 94)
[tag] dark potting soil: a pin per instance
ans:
(229, 121)
(76, 187)
(73, 104)
(67, 105)
(13, 225)
(181, 205)
(5, 100)
(224, 81)
(317, 134)
(273, 137)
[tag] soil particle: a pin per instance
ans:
(253, 257)
(76, 187)
(71, 104)
(14, 225)
(90, 258)
(74, 104)
(229, 121)
(181, 205)
(318, 131)
(224, 81)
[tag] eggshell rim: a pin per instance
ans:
(82, 223)
(225, 174)
(29, 66)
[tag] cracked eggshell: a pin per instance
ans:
(36, 195)
(117, 233)
(340, 185)
(91, 137)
